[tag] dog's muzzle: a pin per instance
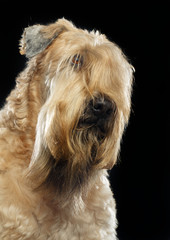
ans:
(98, 113)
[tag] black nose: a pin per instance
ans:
(102, 107)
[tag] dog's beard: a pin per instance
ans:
(70, 169)
(66, 163)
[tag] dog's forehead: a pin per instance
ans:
(84, 49)
(89, 44)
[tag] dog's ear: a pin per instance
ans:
(37, 38)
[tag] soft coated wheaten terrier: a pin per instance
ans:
(60, 130)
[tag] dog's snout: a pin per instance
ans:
(102, 108)
(98, 113)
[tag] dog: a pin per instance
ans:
(60, 133)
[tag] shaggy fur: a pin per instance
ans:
(54, 151)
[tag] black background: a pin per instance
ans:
(141, 178)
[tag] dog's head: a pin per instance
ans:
(87, 99)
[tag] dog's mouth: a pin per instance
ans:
(95, 123)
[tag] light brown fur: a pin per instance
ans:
(51, 185)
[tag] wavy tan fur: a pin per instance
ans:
(53, 173)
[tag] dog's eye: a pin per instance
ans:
(77, 61)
